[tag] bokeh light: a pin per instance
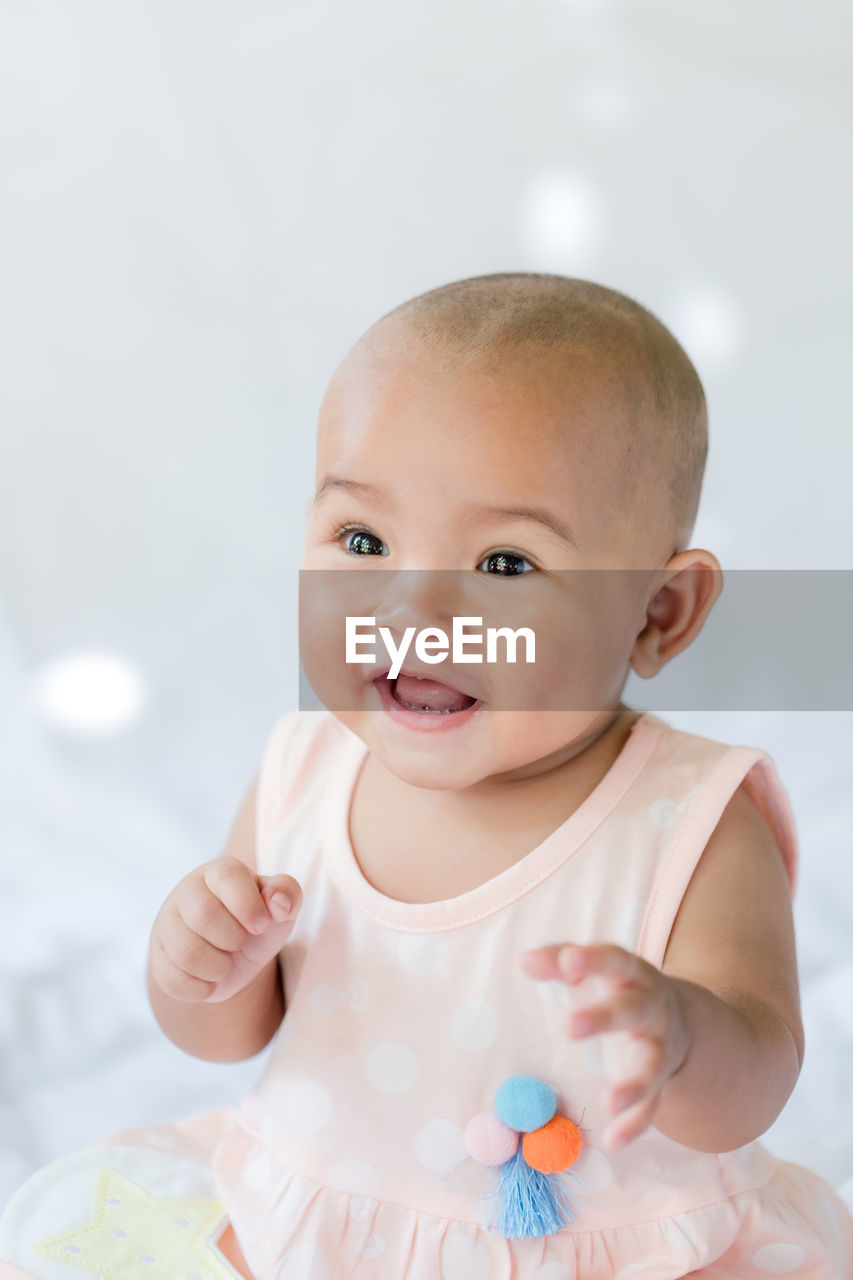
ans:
(709, 325)
(90, 693)
(560, 218)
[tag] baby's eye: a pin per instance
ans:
(363, 541)
(505, 564)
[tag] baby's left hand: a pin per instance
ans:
(644, 1002)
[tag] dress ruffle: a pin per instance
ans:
(794, 1225)
(289, 1225)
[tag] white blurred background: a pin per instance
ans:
(203, 205)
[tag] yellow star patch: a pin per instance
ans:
(132, 1236)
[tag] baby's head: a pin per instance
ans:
(524, 425)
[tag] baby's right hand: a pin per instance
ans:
(219, 927)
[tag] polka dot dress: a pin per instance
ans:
(423, 1115)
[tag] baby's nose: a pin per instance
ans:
(420, 598)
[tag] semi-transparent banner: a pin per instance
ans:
(568, 640)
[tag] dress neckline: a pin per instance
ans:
(505, 887)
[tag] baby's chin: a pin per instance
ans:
(499, 746)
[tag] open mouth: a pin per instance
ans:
(427, 696)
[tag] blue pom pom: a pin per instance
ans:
(528, 1203)
(525, 1103)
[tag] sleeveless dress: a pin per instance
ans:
(348, 1158)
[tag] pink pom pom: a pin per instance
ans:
(488, 1140)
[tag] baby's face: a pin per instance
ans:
(427, 465)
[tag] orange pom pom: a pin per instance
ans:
(553, 1147)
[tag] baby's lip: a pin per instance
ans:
(419, 673)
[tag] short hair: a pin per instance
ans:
(495, 313)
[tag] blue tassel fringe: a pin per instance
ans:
(527, 1203)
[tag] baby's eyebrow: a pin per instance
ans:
(357, 486)
(537, 514)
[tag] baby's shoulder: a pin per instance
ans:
(301, 738)
(734, 929)
(297, 764)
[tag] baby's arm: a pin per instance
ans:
(218, 931)
(720, 1020)
(732, 953)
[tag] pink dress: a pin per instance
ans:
(403, 1019)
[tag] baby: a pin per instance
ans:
(527, 953)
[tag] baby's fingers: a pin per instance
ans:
(192, 954)
(173, 980)
(632, 1009)
(646, 1078)
(634, 1121)
(634, 1101)
(232, 882)
(207, 916)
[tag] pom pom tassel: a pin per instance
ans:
(528, 1203)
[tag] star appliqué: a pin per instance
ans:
(132, 1236)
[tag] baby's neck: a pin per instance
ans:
(483, 831)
